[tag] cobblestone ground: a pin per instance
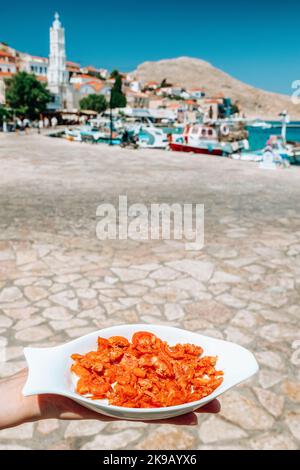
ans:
(57, 281)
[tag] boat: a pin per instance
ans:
(151, 137)
(260, 124)
(83, 134)
(93, 134)
(277, 151)
(294, 152)
(211, 139)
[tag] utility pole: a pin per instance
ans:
(110, 118)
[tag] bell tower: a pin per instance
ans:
(57, 72)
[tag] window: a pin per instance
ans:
(31, 68)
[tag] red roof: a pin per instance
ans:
(196, 89)
(2, 61)
(212, 101)
(44, 59)
(6, 74)
(97, 85)
(90, 67)
(72, 64)
(6, 54)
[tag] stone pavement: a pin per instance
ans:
(57, 281)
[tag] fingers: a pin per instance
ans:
(189, 419)
(211, 407)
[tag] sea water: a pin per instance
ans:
(258, 137)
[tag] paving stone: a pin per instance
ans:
(278, 332)
(174, 312)
(293, 423)
(10, 294)
(269, 378)
(47, 426)
(35, 293)
(238, 336)
(59, 325)
(225, 278)
(215, 429)
(244, 412)
(66, 299)
(77, 332)
(129, 274)
(167, 438)
(188, 284)
(5, 322)
(35, 333)
(85, 428)
(164, 273)
(57, 313)
(114, 441)
(292, 390)
(24, 431)
(231, 301)
(270, 359)
(200, 270)
(209, 310)
(28, 322)
(273, 442)
(13, 447)
(86, 293)
(244, 319)
(272, 402)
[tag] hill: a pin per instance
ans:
(190, 72)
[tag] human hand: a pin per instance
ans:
(16, 409)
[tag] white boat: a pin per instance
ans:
(260, 124)
(151, 137)
(221, 140)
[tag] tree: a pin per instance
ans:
(165, 84)
(26, 95)
(117, 97)
(96, 103)
(114, 73)
(4, 114)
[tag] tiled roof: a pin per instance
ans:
(44, 59)
(6, 54)
(195, 89)
(72, 64)
(41, 78)
(6, 74)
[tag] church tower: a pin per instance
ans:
(57, 72)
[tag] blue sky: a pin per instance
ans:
(257, 42)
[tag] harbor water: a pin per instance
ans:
(258, 136)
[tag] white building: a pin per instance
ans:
(57, 71)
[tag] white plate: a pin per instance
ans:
(49, 368)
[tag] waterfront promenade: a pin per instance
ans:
(57, 281)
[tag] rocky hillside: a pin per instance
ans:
(190, 72)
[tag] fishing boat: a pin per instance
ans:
(83, 134)
(211, 139)
(93, 134)
(294, 152)
(260, 124)
(151, 137)
(281, 153)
